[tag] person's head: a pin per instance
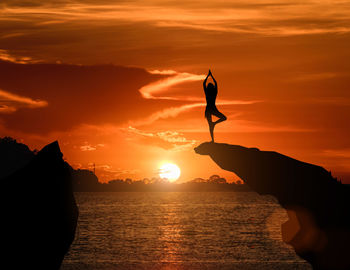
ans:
(210, 86)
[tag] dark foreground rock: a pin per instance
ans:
(39, 213)
(13, 156)
(318, 206)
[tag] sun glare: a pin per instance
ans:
(170, 171)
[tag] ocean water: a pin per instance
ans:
(180, 230)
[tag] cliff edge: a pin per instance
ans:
(39, 212)
(317, 204)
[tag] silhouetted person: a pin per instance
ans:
(211, 92)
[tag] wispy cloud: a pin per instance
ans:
(175, 111)
(273, 17)
(169, 140)
(88, 147)
(12, 35)
(163, 85)
(10, 102)
(6, 56)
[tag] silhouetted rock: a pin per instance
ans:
(39, 212)
(318, 206)
(13, 156)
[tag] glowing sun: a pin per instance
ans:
(170, 171)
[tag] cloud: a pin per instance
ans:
(276, 18)
(165, 34)
(163, 72)
(172, 112)
(6, 56)
(163, 85)
(10, 103)
(89, 147)
(169, 140)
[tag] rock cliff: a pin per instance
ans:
(318, 206)
(39, 213)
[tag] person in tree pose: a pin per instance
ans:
(211, 92)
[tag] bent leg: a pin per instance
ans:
(220, 115)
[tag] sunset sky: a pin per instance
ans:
(119, 83)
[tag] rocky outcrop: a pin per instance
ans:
(13, 156)
(318, 206)
(39, 213)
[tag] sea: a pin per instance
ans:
(179, 230)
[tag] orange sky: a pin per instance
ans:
(120, 85)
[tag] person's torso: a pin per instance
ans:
(210, 96)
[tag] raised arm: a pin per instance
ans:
(205, 80)
(216, 85)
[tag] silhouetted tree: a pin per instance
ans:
(85, 180)
(216, 179)
(199, 180)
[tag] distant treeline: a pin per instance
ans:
(85, 180)
(15, 155)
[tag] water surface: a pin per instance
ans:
(180, 230)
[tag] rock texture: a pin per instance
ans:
(39, 213)
(318, 206)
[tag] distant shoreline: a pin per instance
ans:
(85, 180)
(123, 186)
(162, 191)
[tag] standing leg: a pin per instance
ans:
(211, 126)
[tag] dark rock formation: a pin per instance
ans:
(13, 156)
(318, 206)
(39, 213)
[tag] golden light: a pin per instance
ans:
(170, 171)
